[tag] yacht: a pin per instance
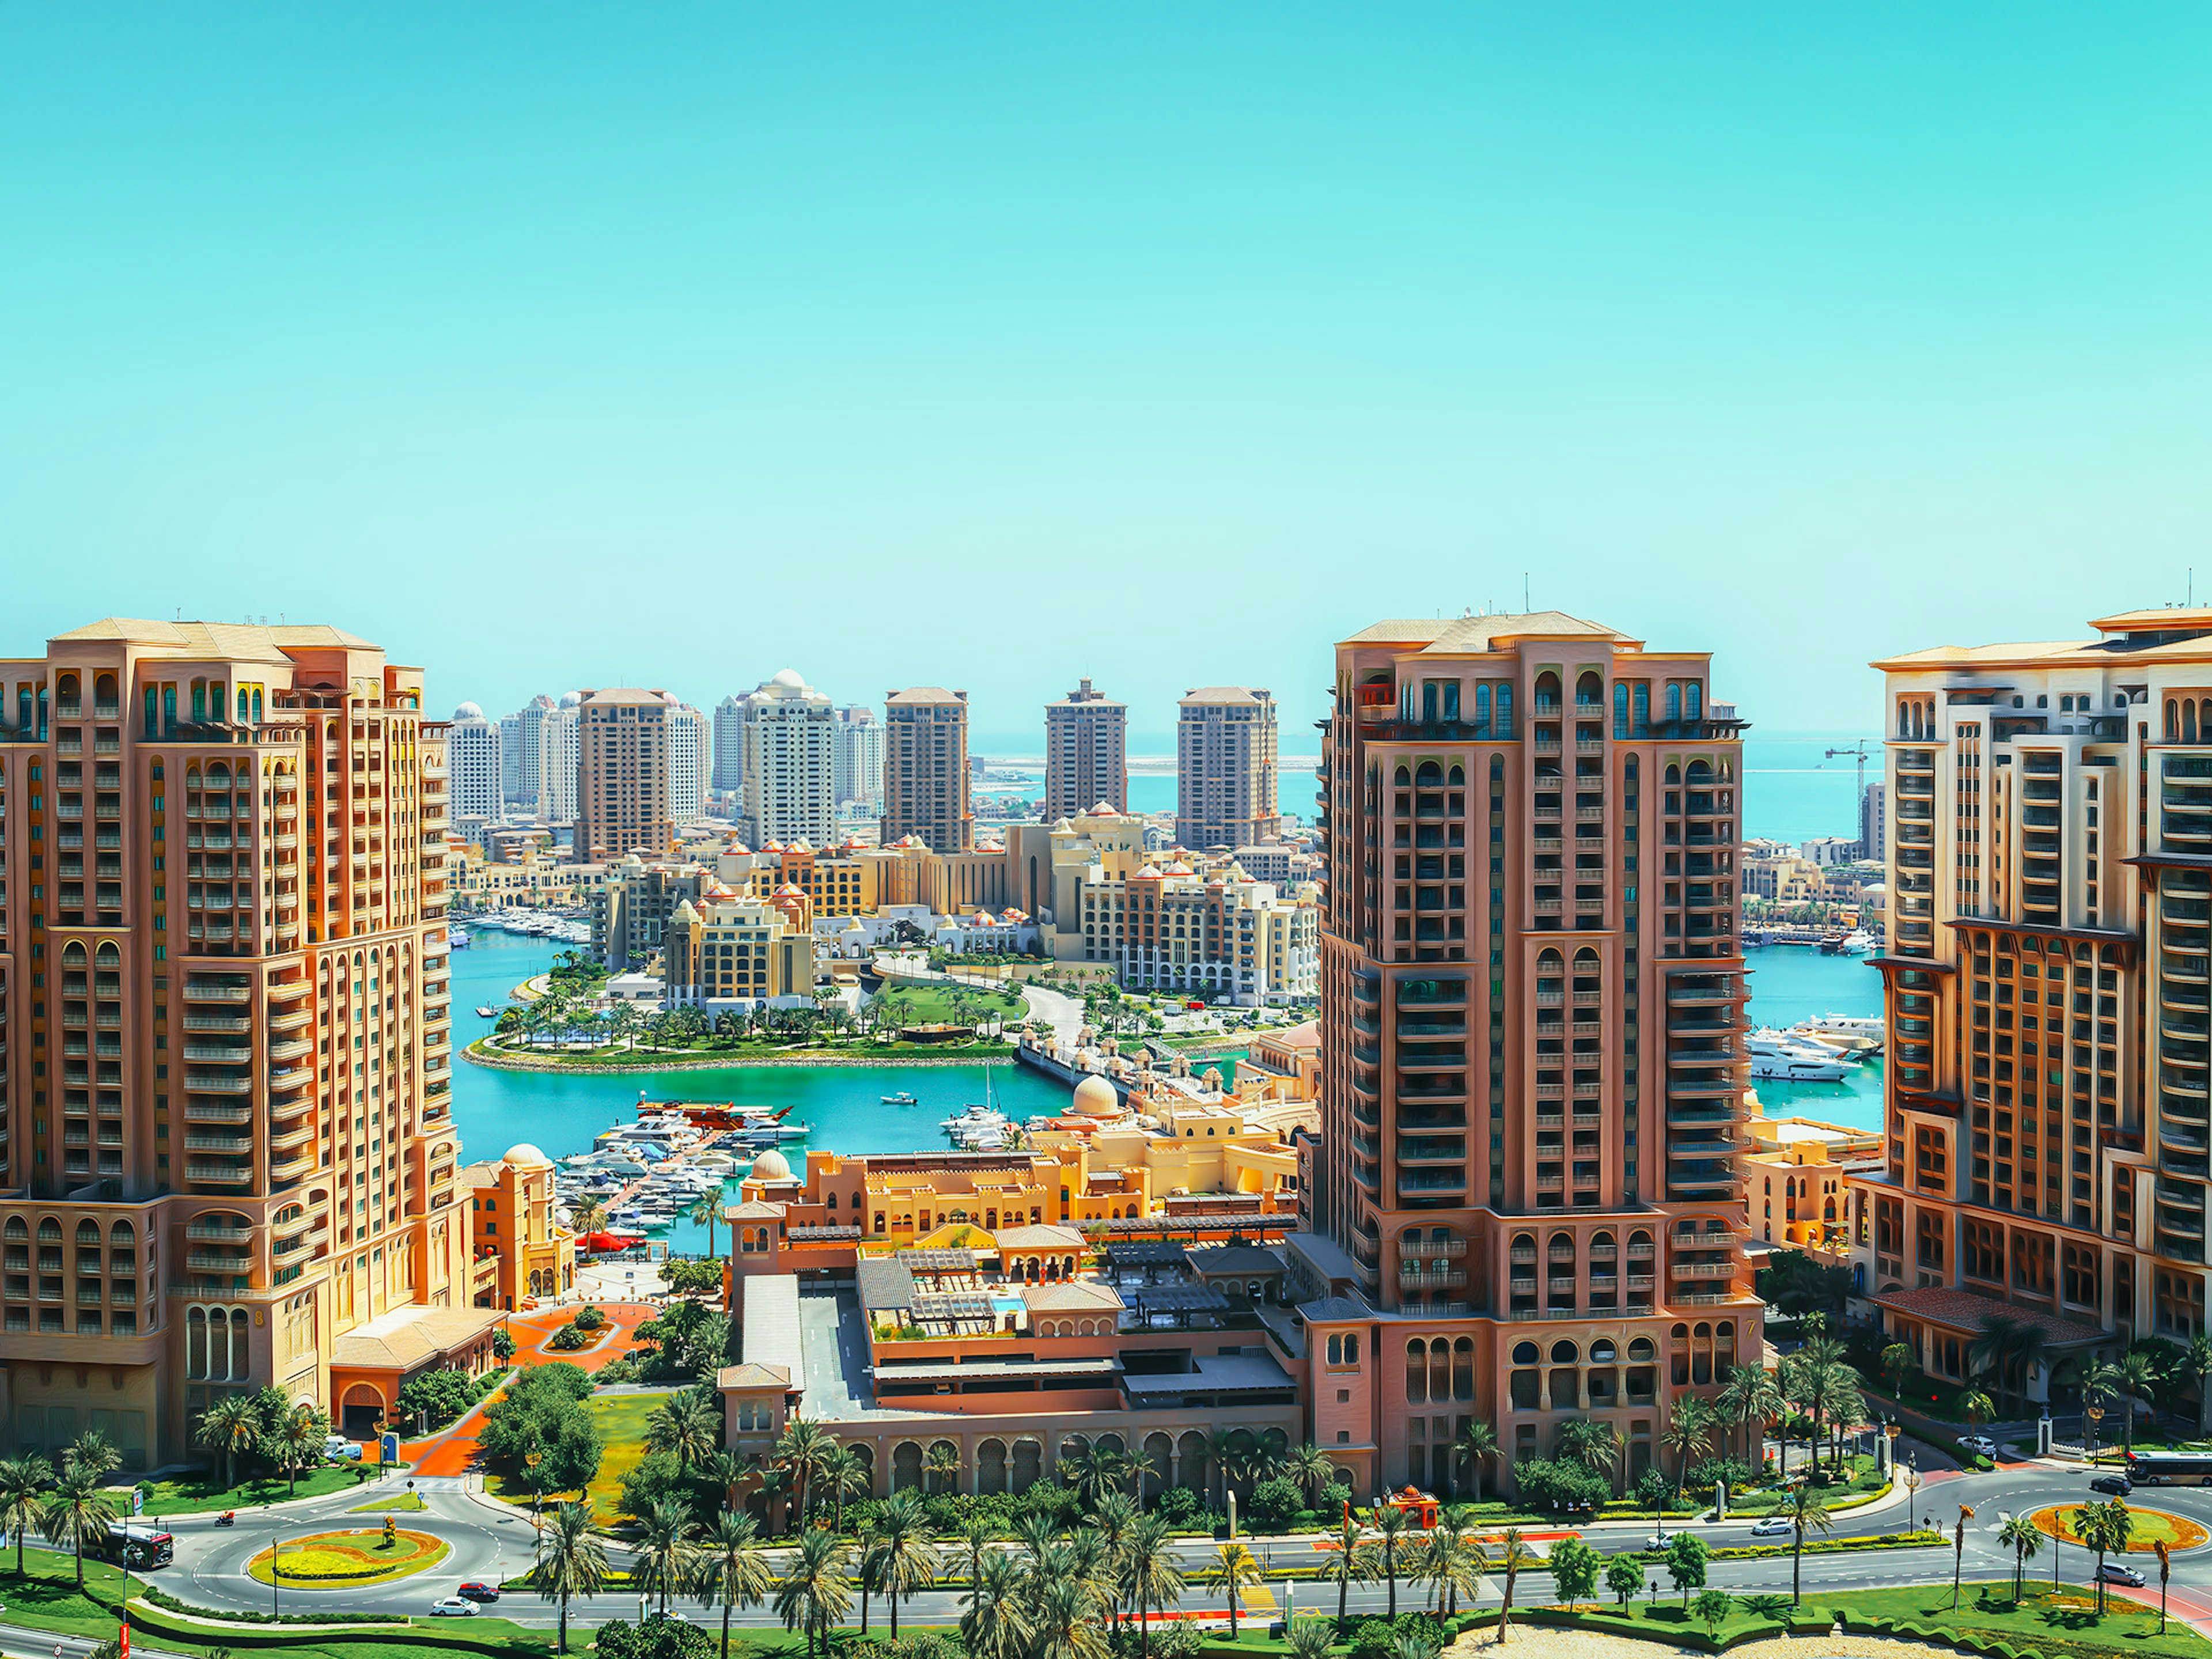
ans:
(1774, 1056)
(900, 1100)
(1845, 1031)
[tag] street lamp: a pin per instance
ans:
(1912, 1477)
(2096, 1415)
(1892, 1430)
(530, 1460)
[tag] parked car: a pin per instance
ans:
(2113, 1573)
(476, 1590)
(1770, 1526)
(2117, 1485)
(339, 1450)
(1980, 1444)
(452, 1606)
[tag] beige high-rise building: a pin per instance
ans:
(1530, 987)
(227, 1149)
(1086, 754)
(623, 750)
(926, 768)
(1225, 763)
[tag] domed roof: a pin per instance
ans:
(1095, 1097)
(789, 678)
(1104, 810)
(524, 1156)
(572, 700)
(771, 1165)
(468, 711)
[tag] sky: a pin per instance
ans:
(557, 345)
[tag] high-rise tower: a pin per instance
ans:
(790, 735)
(472, 749)
(1225, 763)
(1086, 754)
(926, 768)
(622, 803)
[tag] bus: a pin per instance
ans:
(2170, 1469)
(139, 1547)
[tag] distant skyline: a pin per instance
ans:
(993, 346)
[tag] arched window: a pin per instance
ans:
(1417, 1372)
(242, 703)
(1565, 1352)
(1673, 703)
(1590, 689)
(1693, 700)
(1504, 711)
(1526, 1353)
(1620, 708)
(1481, 707)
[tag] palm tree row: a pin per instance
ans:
(64, 1500)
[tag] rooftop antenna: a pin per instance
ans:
(1524, 593)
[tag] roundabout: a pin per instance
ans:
(347, 1560)
(2151, 1528)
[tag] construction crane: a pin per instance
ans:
(1862, 754)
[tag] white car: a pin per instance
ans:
(1770, 1526)
(1980, 1444)
(452, 1606)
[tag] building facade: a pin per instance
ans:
(689, 744)
(860, 759)
(1086, 754)
(789, 734)
(622, 803)
(2050, 873)
(1874, 825)
(229, 1158)
(1530, 1194)
(510, 759)
(926, 768)
(473, 755)
(1225, 764)
(729, 746)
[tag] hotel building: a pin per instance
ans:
(729, 775)
(473, 752)
(2049, 841)
(622, 803)
(789, 733)
(1086, 754)
(1225, 764)
(226, 1151)
(1529, 1195)
(926, 768)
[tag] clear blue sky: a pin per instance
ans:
(990, 346)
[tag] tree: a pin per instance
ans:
(1750, 1397)
(1689, 1432)
(231, 1426)
(732, 1571)
(1594, 1445)
(1351, 1561)
(1651, 1488)
(803, 1448)
(1711, 1606)
(571, 1560)
(74, 1514)
(1310, 1637)
(691, 1276)
(2137, 1373)
(2195, 1361)
(815, 1590)
(1976, 1407)
(1446, 1563)
(1153, 1577)
(1574, 1571)
(1801, 1508)
(994, 1617)
(2025, 1539)
(1478, 1444)
(1390, 1523)
(900, 1551)
(1513, 1555)
(93, 1455)
(688, 1425)
(22, 1491)
(2007, 1350)
(1686, 1563)
(1624, 1576)
(1897, 1362)
(1064, 1620)
(843, 1475)
(301, 1439)
(708, 1213)
(665, 1563)
(1310, 1467)
(2103, 1527)
(942, 1467)
(1237, 1569)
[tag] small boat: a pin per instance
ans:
(900, 1100)
(487, 1011)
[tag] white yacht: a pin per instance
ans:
(1775, 1057)
(1863, 1032)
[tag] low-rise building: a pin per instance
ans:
(728, 951)
(519, 1251)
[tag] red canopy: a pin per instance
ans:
(611, 1240)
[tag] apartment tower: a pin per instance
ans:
(622, 774)
(1530, 986)
(227, 1150)
(859, 757)
(688, 759)
(729, 776)
(790, 735)
(1225, 768)
(926, 768)
(1086, 754)
(472, 751)
(2050, 867)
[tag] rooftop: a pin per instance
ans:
(769, 1322)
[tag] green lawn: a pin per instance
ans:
(622, 1430)
(932, 1004)
(196, 1494)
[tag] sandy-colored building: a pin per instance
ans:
(1226, 768)
(1795, 1186)
(229, 1156)
(926, 768)
(2049, 842)
(513, 1230)
(728, 951)
(1086, 754)
(789, 734)
(624, 752)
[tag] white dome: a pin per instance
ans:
(770, 1165)
(789, 678)
(572, 700)
(524, 1156)
(468, 711)
(1095, 1097)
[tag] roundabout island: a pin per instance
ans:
(347, 1560)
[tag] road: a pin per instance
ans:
(491, 1543)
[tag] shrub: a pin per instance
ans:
(1374, 1638)
(568, 1338)
(502, 1344)
(588, 1318)
(662, 1636)
(1275, 1504)
(1714, 1470)
(543, 1412)
(1556, 1484)
(1180, 1505)
(654, 1477)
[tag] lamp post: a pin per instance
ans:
(2096, 1416)
(1890, 1432)
(1912, 1477)
(530, 1460)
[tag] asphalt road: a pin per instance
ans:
(490, 1544)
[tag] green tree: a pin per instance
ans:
(993, 1613)
(1446, 1563)
(1389, 1524)
(2025, 1539)
(815, 1590)
(22, 1492)
(1624, 1576)
(231, 1426)
(2196, 1362)
(666, 1561)
(1350, 1560)
(1513, 1553)
(1310, 1467)
(1651, 1489)
(1689, 1432)
(1750, 1398)
(734, 1574)
(2104, 1527)
(1686, 1563)
(1477, 1444)
(1594, 1445)
(1801, 1508)
(77, 1513)
(299, 1441)
(803, 1448)
(1310, 1637)
(707, 1211)
(1237, 1569)
(1574, 1571)
(688, 1425)
(1151, 1575)
(942, 1467)
(842, 1474)
(571, 1561)
(900, 1551)
(1897, 1362)
(1712, 1606)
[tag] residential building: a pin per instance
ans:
(513, 1232)
(1086, 754)
(510, 759)
(561, 735)
(728, 951)
(623, 804)
(1225, 761)
(1795, 1183)
(533, 881)
(1530, 1187)
(926, 768)
(789, 733)
(1830, 849)
(532, 781)
(860, 758)
(2049, 837)
(473, 754)
(688, 760)
(729, 746)
(199, 1196)
(632, 909)
(1874, 830)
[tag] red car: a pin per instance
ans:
(1194, 1005)
(475, 1591)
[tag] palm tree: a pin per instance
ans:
(1594, 1445)
(666, 1561)
(302, 1433)
(735, 1573)
(1220, 1452)
(1152, 1577)
(1846, 1406)
(77, 1513)
(1749, 1396)
(2137, 1373)
(571, 1560)
(978, 1534)
(1390, 1523)
(900, 1551)
(1115, 1520)
(1310, 1638)
(815, 1590)
(2102, 1527)
(2004, 1347)
(1801, 1508)
(1447, 1564)
(1310, 1467)
(2195, 1361)
(92, 1455)
(1478, 1444)
(687, 1424)
(22, 1490)
(231, 1426)
(942, 1467)
(1064, 1622)
(2025, 1538)
(707, 1214)
(802, 1448)
(1238, 1570)
(1352, 1561)
(1978, 1408)
(1513, 1555)
(1689, 1432)
(1896, 1365)
(993, 1619)
(843, 1475)
(588, 1215)
(1812, 1369)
